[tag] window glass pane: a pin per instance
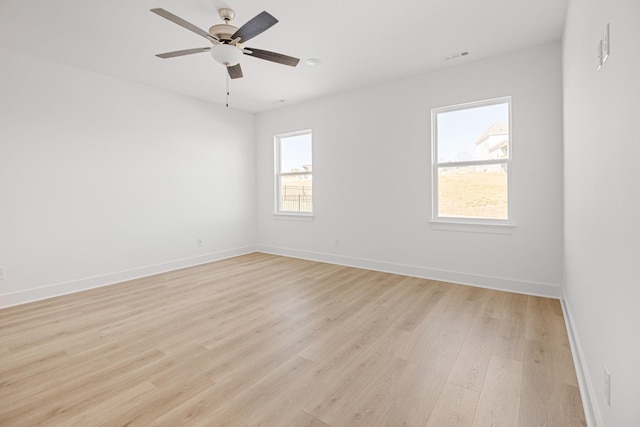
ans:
(295, 153)
(473, 192)
(479, 133)
(294, 180)
(296, 193)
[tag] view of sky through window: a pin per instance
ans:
(295, 152)
(459, 130)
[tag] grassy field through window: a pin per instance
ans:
(473, 194)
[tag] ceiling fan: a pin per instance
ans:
(228, 41)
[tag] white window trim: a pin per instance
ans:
(289, 215)
(294, 216)
(499, 226)
(473, 227)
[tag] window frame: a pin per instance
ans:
(278, 175)
(472, 223)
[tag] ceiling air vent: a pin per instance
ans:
(456, 55)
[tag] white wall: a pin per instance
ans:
(103, 180)
(602, 201)
(372, 184)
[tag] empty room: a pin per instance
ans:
(275, 213)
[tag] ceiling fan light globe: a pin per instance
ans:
(226, 54)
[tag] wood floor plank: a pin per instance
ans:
(302, 419)
(415, 313)
(433, 326)
(456, 407)
(340, 392)
(543, 320)
(495, 304)
(266, 387)
(373, 400)
(413, 405)
(547, 387)
(454, 328)
(126, 399)
(510, 340)
(470, 367)
(264, 340)
(77, 395)
(570, 410)
(288, 407)
(146, 410)
(499, 403)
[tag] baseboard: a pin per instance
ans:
(489, 282)
(58, 289)
(591, 412)
(498, 283)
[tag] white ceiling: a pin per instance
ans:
(360, 42)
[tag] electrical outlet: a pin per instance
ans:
(1, 273)
(607, 385)
(200, 242)
(336, 242)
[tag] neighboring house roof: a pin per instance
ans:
(498, 128)
(501, 144)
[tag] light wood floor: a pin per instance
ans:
(261, 340)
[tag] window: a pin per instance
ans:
(471, 148)
(294, 173)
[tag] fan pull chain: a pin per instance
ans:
(227, 98)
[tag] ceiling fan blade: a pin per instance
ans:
(183, 52)
(235, 71)
(273, 56)
(256, 25)
(188, 25)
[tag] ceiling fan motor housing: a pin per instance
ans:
(223, 32)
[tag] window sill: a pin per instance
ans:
(285, 216)
(473, 227)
